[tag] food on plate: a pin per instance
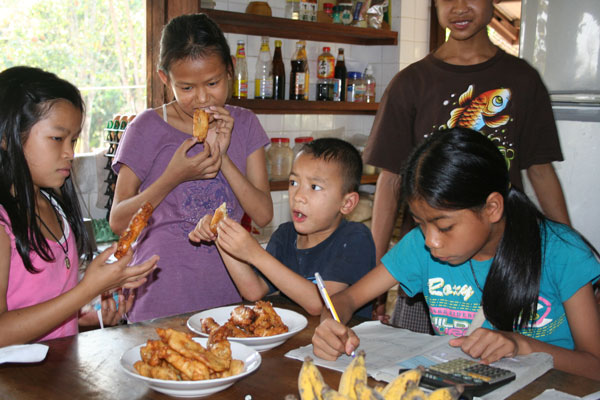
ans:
(258, 321)
(219, 214)
(200, 129)
(177, 357)
(136, 225)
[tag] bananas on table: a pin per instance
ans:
(353, 385)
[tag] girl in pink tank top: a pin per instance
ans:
(42, 232)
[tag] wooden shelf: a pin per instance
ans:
(249, 24)
(283, 185)
(304, 107)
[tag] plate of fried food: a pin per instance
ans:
(180, 365)
(261, 326)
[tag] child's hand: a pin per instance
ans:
(112, 313)
(488, 345)
(202, 231)
(236, 240)
(101, 276)
(204, 165)
(219, 134)
(332, 339)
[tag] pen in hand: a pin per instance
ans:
(327, 300)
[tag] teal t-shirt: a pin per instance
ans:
(452, 292)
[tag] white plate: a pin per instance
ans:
(294, 321)
(250, 357)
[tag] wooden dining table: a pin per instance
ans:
(87, 366)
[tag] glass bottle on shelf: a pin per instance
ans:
(339, 78)
(325, 74)
(299, 75)
(278, 73)
(369, 81)
(240, 81)
(263, 81)
(280, 158)
(292, 9)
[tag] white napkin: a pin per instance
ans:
(23, 353)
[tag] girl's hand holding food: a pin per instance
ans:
(202, 232)
(102, 277)
(332, 339)
(204, 165)
(488, 345)
(219, 132)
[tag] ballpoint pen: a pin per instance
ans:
(327, 300)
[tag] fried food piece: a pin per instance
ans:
(192, 369)
(268, 322)
(208, 325)
(219, 214)
(242, 316)
(136, 225)
(221, 349)
(237, 367)
(200, 129)
(184, 345)
(150, 352)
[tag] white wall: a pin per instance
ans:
(580, 142)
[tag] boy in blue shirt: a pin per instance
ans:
(323, 189)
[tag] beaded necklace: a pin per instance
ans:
(65, 249)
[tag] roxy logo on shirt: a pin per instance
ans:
(437, 287)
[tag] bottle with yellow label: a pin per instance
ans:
(240, 81)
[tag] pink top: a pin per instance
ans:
(26, 289)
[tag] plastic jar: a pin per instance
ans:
(356, 87)
(299, 143)
(280, 157)
(345, 13)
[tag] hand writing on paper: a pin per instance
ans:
(332, 339)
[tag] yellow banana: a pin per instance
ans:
(332, 394)
(356, 371)
(414, 392)
(310, 381)
(446, 393)
(365, 392)
(379, 387)
(396, 388)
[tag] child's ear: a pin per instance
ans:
(163, 77)
(494, 207)
(349, 202)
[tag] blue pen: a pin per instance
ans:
(327, 299)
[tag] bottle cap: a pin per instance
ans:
(278, 43)
(303, 139)
(280, 140)
(354, 75)
(326, 49)
(240, 42)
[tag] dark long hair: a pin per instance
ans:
(26, 96)
(458, 169)
(192, 36)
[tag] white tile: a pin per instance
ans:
(309, 122)
(407, 28)
(407, 52)
(421, 50)
(408, 7)
(291, 122)
(422, 9)
(422, 30)
(387, 73)
(372, 54)
(325, 121)
(390, 54)
(395, 25)
(274, 122)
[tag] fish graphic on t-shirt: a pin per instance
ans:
(481, 111)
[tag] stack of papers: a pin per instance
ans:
(389, 349)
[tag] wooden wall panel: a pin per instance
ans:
(158, 13)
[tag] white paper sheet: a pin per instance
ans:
(388, 349)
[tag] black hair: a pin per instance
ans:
(192, 36)
(341, 152)
(27, 95)
(458, 169)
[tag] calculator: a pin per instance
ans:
(477, 379)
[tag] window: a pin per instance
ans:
(98, 45)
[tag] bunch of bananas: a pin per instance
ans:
(353, 385)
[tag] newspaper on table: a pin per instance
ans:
(389, 349)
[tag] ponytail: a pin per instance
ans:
(514, 275)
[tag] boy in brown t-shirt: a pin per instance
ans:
(466, 82)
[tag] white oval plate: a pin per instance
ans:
(250, 357)
(294, 321)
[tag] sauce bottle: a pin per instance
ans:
(325, 73)
(278, 73)
(299, 76)
(339, 75)
(263, 80)
(240, 81)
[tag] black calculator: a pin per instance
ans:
(477, 379)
